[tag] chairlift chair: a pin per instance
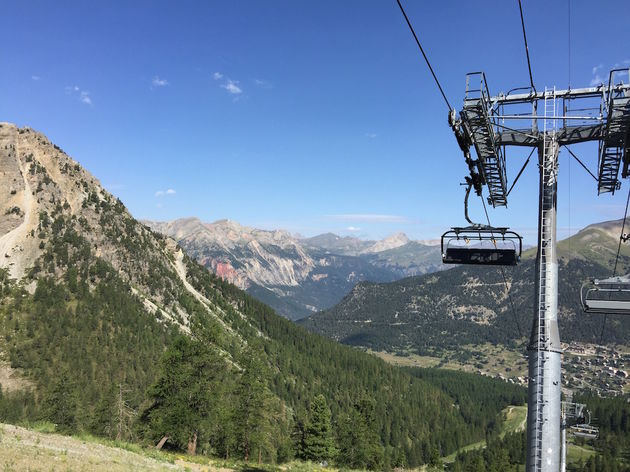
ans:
(585, 431)
(482, 245)
(604, 296)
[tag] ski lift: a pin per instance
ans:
(480, 244)
(585, 431)
(607, 296)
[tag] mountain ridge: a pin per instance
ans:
(471, 303)
(297, 276)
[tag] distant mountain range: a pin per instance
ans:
(470, 305)
(298, 276)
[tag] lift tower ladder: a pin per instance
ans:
(491, 124)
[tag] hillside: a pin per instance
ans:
(297, 276)
(104, 325)
(471, 304)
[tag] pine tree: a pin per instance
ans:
(318, 439)
(253, 417)
(358, 442)
(60, 402)
(184, 398)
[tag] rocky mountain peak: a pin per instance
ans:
(390, 242)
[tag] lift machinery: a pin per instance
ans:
(543, 120)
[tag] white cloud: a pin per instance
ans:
(232, 87)
(157, 82)
(35, 77)
(161, 193)
(85, 98)
(370, 135)
(597, 80)
(353, 229)
(370, 217)
(265, 84)
(217, 76)
(82, 95)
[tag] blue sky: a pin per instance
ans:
(310, 116)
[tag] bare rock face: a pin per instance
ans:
(53, 211)
(240, 254)
(391, 242)
(297, 276)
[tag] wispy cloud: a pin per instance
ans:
(353, 229)
(35, 77)
(85, 97)
(232, 87)
(161, 193)
(264, 84)
(370, 218)
(158, 82)
(597, 79)
(82, 95)
(370, 135)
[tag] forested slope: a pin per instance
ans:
(116, 332)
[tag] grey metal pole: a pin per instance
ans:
(563, 445)
(544, 409)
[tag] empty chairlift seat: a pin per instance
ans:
(585, 431)
(607, 296)
(482, 245)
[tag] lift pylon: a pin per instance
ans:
(491, 124)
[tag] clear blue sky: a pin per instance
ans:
(309, 116)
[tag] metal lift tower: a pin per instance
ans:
(492, 123)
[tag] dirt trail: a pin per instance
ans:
(8, 242)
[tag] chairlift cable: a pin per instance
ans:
(529, 65)
(507, 289)
(623, 226)
(424, 55)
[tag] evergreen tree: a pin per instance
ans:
(60, 402)
(318, 439)
(252, 418)
(184, 398)
(358, 442)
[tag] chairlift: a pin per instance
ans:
(585, 431)
(607, 296)
(483, 245)
(480, 244)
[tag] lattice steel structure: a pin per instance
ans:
(492, 123)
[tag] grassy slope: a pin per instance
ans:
(35, 449)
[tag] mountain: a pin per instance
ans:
(469, 305)
(297, 277)
(110, 328)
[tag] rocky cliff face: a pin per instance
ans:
(240, 254)
(297, 276)
(53, 214)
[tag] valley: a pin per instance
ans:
(298, 276)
